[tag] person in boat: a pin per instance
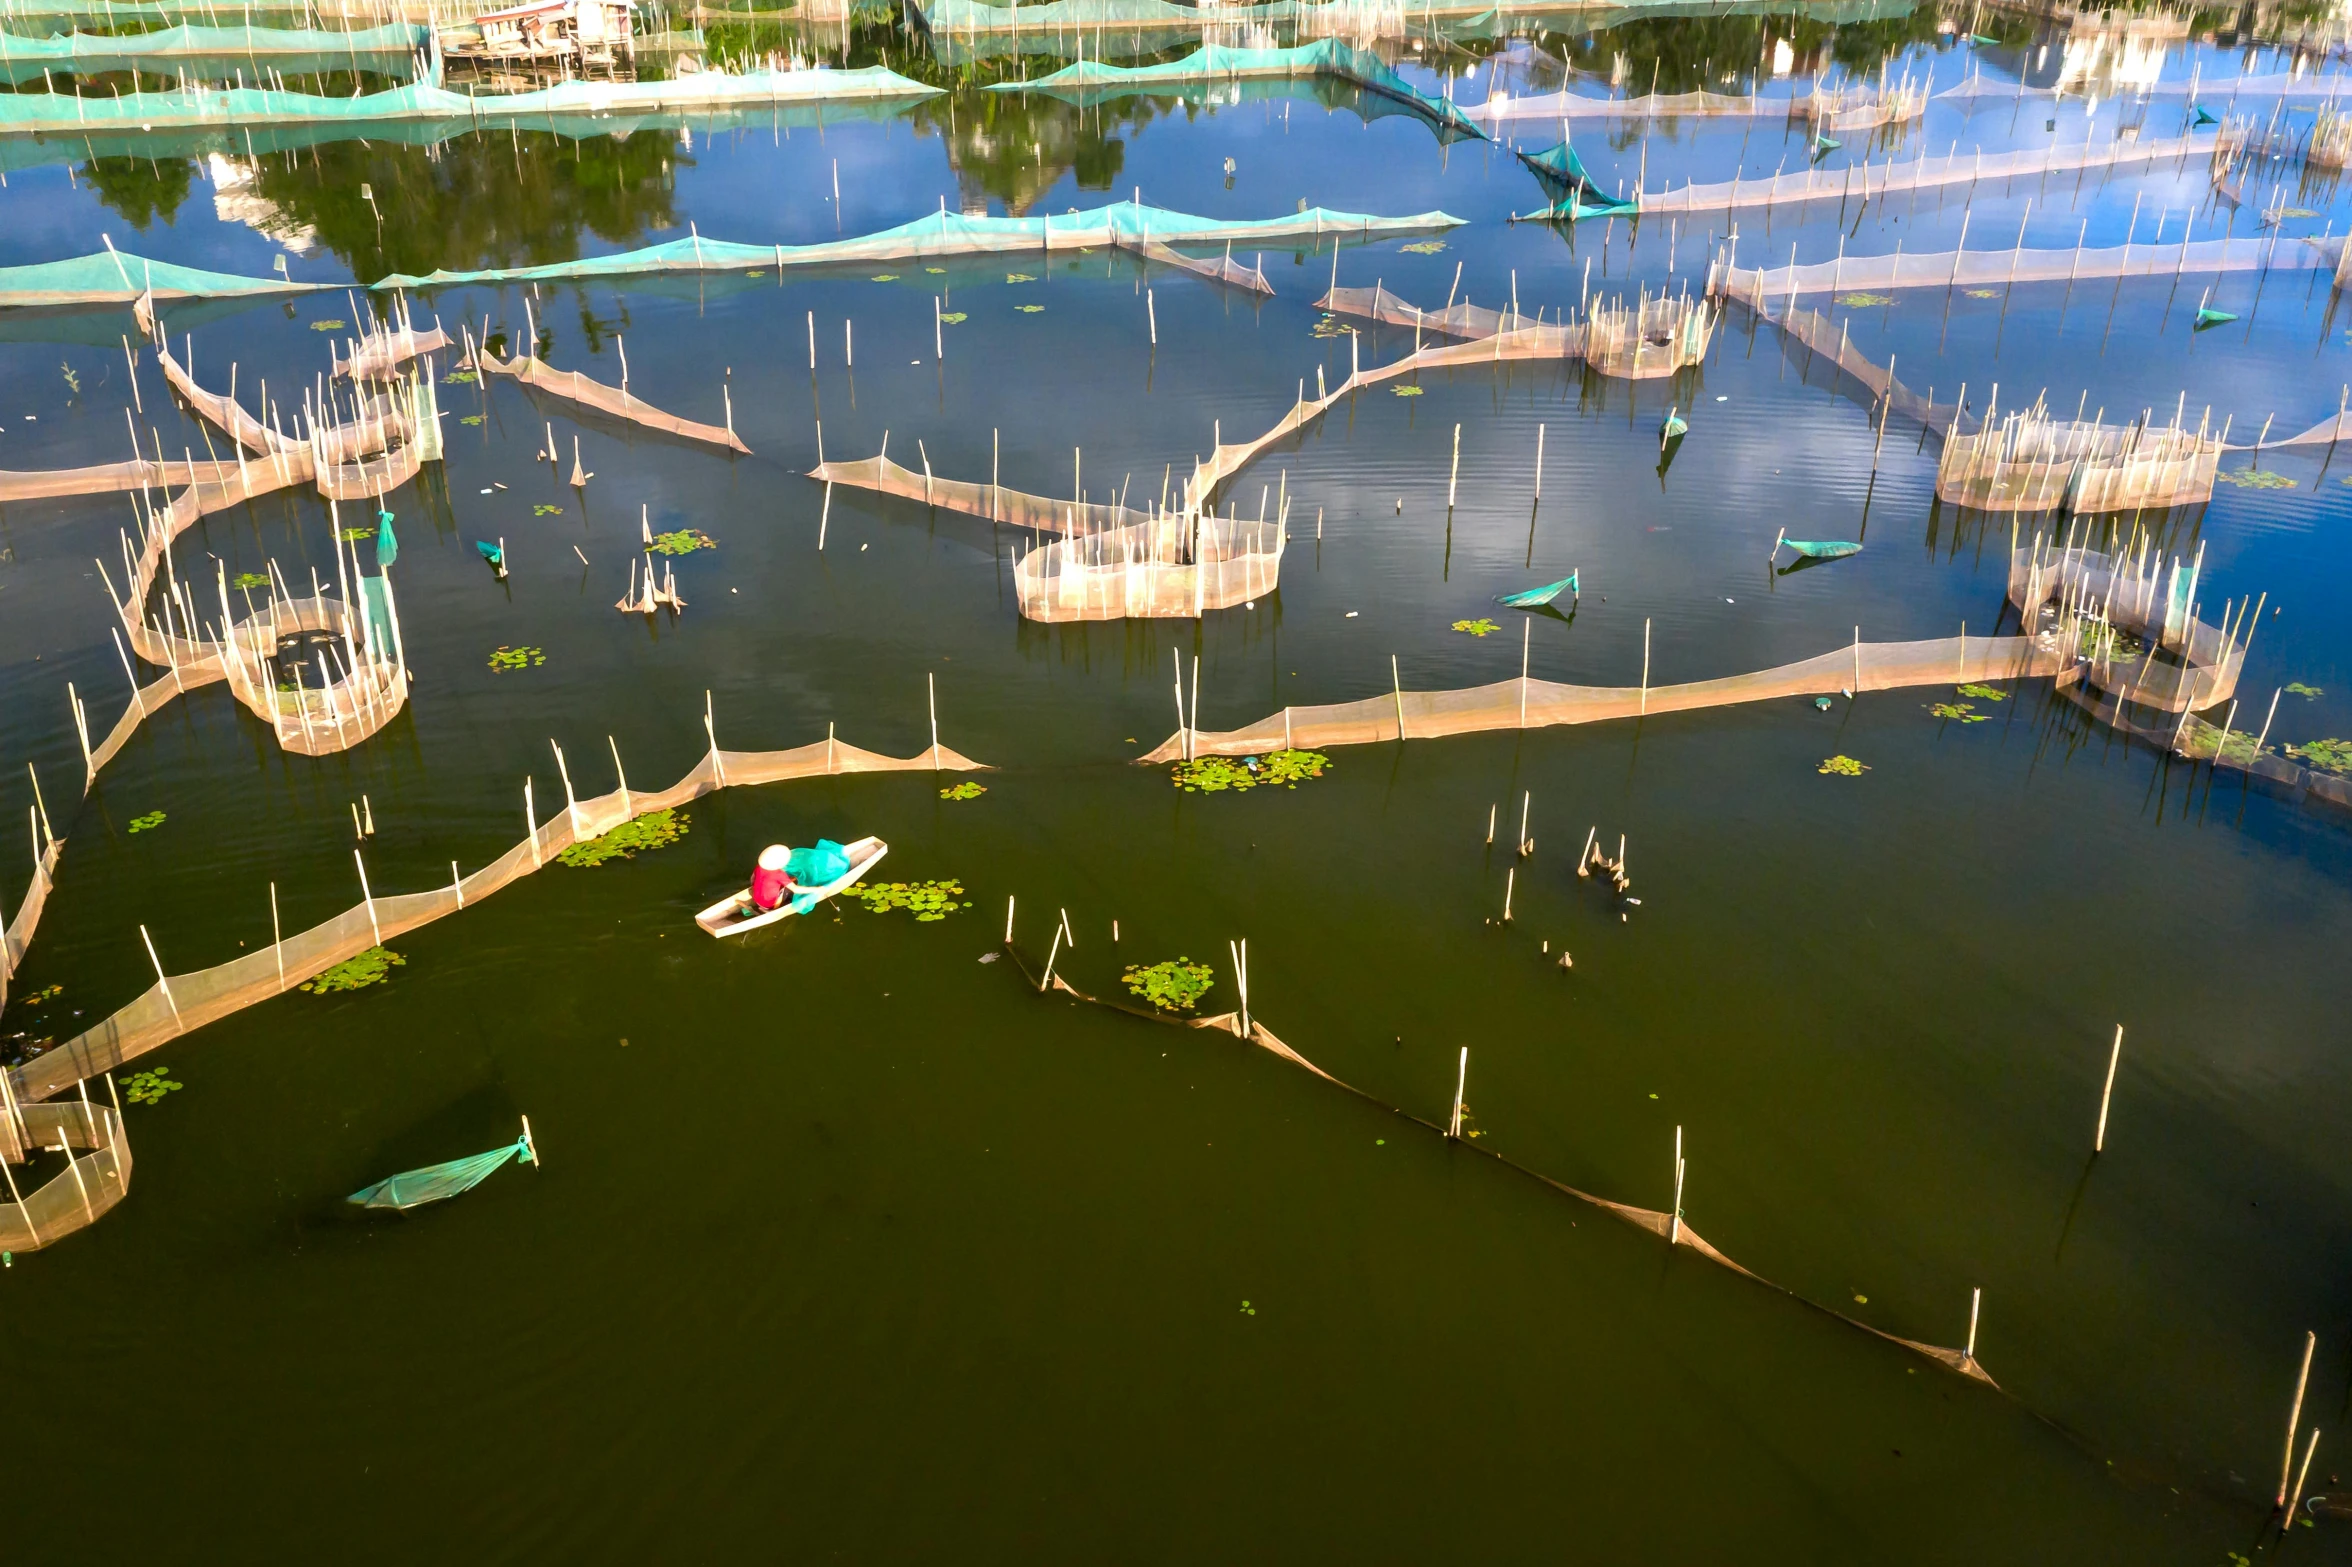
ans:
(771, 882)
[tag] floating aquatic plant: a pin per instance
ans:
(470, 419)
(885, 277)
(1477, 628)
(328, 326)
(1331, 326)
(250, 579)
(966, 790)
(2298, 688)
(371, 967)
(545, 510)
(2329, 756)
(1171, 987)
(1019, 277)
(73, 382)
(148, 1088)
(2255, 478)
(927, 900)
(1982, 293)
(683, 542)
(1865, 301)
(2236, 746)
(936, 271)
(46, 993)
(1213, 774)
(148, 822)
(1030, 310)
(1964, 711)
(354, 535)
(1984, 693)
(1407, 391)
(507, 658)
(953, 317)
(1843, 766)
(654, 830)
(461, 378)
(1427, 247)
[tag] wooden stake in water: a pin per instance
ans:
(1674, 1228)
(2294, 1415)
(1510, 883)
(1461, 1081)
(1490, 822)
(1539, 443)
(2301, 1474)
(2114, 1058)
(1645, 685)
(1526, 800)
(165, 985)
(1975, 1304)
(1454, 477)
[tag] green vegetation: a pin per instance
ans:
(1171, 987)
(927, 900)
(654, 830)
(148, 822)
(966, 790)
(1331, 326)
(2235, 745)
(1477, 628)
(2255, 478)
(685, 541)
(1984, 693)
(1407, 391)
(953, 317)
(328, 326)
(1844, 767)
(885, 277)
(1030, 310)
(545, 510)
(507, 658)
(73, 382)
(371, 967)
(2298, 688)
(46, 993)
(354, 535)
(470, 419)
(250, 579)
(1212, 774)
(1427, 247)
(461, 378)
(1019, 277)
(2331, 756)
(1865, 301)
(1964, 711)
(148, 1088)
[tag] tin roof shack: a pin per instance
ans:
(586, 34)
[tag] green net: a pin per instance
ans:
(111, 277)
(1574, 195)
(414, 1188)
(1218, 62)
(285, 49)
(55, 114)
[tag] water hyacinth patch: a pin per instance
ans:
(654, 830)
(371, 967)
(964, 791)
(147, 823)
(461, 378)
(1843, 767)
(1171, 987)
(1477, 628)
(927, 900)
(1030, 310)
(507, 658)
(148, 1088)
(545, 510)
(685, 541)
(471, 419)
(1214, 774)
(1865, 301)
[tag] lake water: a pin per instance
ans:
(848, 1244)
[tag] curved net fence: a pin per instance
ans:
(1652, 336)
(1999, 268)
(97, 1172)
(616, 403)
(1865, 181)
(2029, 461)
(1327, 57)
(378, 49)
(1843, 108)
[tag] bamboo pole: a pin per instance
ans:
(2295, 1415)
(2114, 1058)
(1461, 1081)
(165, 984)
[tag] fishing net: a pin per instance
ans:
(109, 277)
(438, 1182)
(1218, 62)
(573, 387)
(2077, 598)
(283, 49)
(89, 1186)
(2000, 268)
(1655, 335)
(2030, 462)
(1868, 181)
(1832, 108)
(106, 477)
(52, 114)
(2275, 85)
(172, 1007)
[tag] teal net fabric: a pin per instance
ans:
(1218, 62)
(414, 1188)
(821, 866)
(377, 615)
(110, 277)
(24, 59)
(1570, 185)
(1828, 549)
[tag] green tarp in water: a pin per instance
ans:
(414, 1188)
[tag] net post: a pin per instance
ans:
(368, 897)
(1645, 683)
(161, 981)
(2114, 1058)
(531, 824)
(1674, 1229)
(1396, 684)
(1526, 647)
(710, 728)
(1968, 1355)
(626, 810)
(1461, 1081)
(931, 687)
(277, 938)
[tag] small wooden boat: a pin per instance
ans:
(734, 914)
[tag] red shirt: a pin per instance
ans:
(769, 888)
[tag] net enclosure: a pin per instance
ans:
(2000, 268)
(97, 1173)
(165, 49)
(53, 114)
(112, 277)
(1327, 57)
(1848, 107)
(616, 403)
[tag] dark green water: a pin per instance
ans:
(847, 1244)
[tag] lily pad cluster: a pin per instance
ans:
(2329, 756)
(1019, 277)
(1843, 766)
(1175, 986)
(507, 658)
(371, 967)
(1427, 247)
(1481, 627)
(461, 378)
(1984, 693)
(954, 317)
(148, 1088)
(1406, 391)
(927, 900)
(2298, 688)
(685, 541)
(545, 510)
(1964, 711)
(1030, 310)
(654, 830)
(250, 579)
(2255, 478)
(148, 822)
(1213, 774)
(1332, 326)
(1865, 301)
(471, 419)
(328, 326)
(967, 790)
